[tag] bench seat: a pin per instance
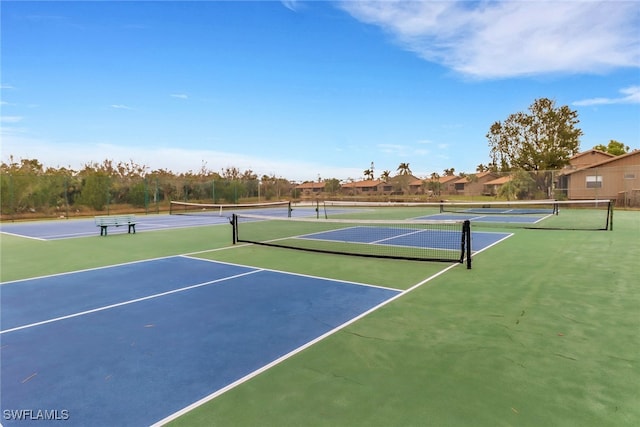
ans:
(105, 221)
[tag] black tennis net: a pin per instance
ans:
(531, 214)
(281, 208)
(447, 241)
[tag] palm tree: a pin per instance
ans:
(434, 184)
(385, 176)
(403, 169)
(368, 174)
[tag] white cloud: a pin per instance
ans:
(631, 95)
(121, 107)
(10, 119)
(389, 148)
(290, 4)
(511, 38)
(179, 95)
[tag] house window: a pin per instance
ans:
(594, 181)
(629, 176)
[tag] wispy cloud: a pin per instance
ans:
(6, 87)
(630, 95)
(121, 107)
(501, 39)
(395, 149)
(11, 119)
(179, 95)
(400, 150)
(290, 4)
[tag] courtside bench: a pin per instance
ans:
(105, 221)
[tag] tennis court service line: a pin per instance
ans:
(395, 237)
(290, 273)
(133, 301)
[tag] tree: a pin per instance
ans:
(368, 173)
(543, 139)
(520, 186)
(449, 172)
(435, 186)
(331, 186)
(403, 169)
(616, 148)
(385, 175)
(95, 189)
(402, 183)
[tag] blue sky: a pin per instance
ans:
(307, 89)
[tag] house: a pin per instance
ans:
(447, 184)
(310, 188)
(613, 177)
(417, 186)
(404, 184)
(588, 158)
(491, 188)
(473, 184)
(369, 186)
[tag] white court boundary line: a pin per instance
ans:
(23, 236)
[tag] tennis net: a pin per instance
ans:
(282, 208)
(539, 214)
(532, 214)
(447, 241)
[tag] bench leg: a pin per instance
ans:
(132, 227)
(103, 230)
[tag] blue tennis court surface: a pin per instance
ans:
(134, 343)
(70, 228)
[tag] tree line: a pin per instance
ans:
(27, 187)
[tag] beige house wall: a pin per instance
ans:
(611, 181)
(622, 176)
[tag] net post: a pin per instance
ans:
(234, 228)
(289, 209)
(467, 236)
(610, 216)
